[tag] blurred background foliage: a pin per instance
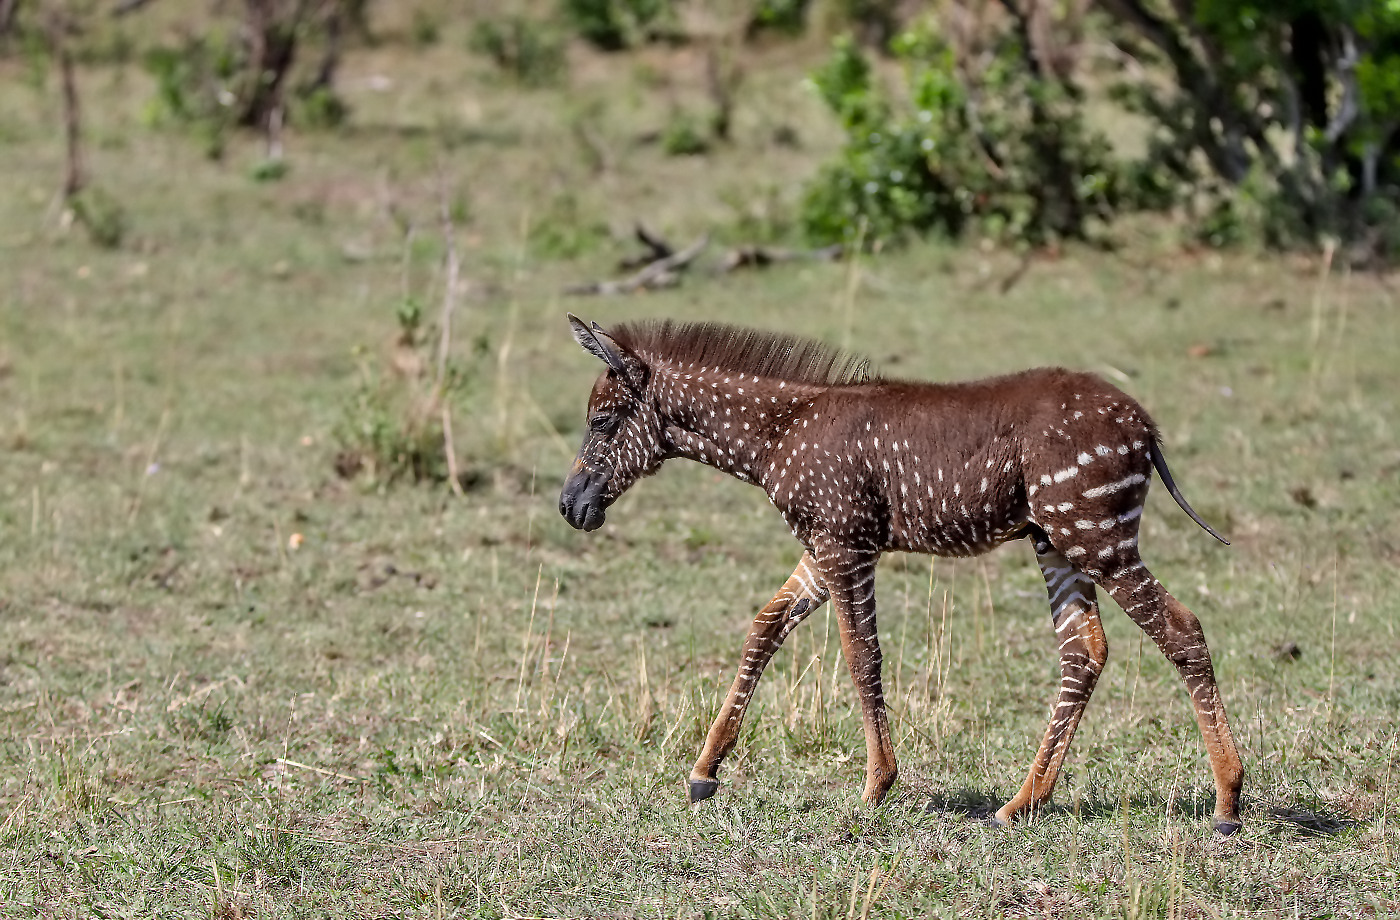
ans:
(1272, 122)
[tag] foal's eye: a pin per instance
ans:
(601, 424)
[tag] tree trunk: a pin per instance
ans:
(272, 46)
(1058, 208)
(334, 25)
(73, 177)
(8, 9)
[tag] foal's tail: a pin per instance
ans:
(1160, 463)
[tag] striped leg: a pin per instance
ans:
(799, 596)
(850, 577)
(1083, 652)
(1178, 634)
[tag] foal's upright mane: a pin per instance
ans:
(792, 358)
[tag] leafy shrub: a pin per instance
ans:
(1009, 156)
(269, 170)
(1221, 225)
(424, 31)
(194, 88)
(612, 25)
(683, 137)
(101, 215)
(378, 440)
(1287, 109)
(787, 17)
(240, 73)
(391, 427)
(526, 50)
(319, 107)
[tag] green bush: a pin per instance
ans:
(612, 25)
(1009, 157)
(269, 170)
(210, 83)
(319, 107)
(1222, 224)
(379, 440)
(530, 52)
(1290, 110)
(101, 215)
(195, 88)
(424, 31)
(391, 427)
(787, 17)
(683, 137)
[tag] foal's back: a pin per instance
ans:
(956, 468)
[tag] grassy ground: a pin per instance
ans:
(234, 684)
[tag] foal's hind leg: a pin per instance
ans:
(803, 593)
(1178, 634)
(1074, 611)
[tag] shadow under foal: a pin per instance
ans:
(861, 465)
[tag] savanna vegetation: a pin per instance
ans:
(290, 625)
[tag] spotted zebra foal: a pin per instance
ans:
(861, 465)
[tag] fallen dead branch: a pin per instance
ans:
(657, 247)
(763, 256)
(656, 275)
(660, 265)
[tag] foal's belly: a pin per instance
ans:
(963, 531)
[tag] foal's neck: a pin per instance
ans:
(728, 420)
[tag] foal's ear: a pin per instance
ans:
(596, 342)
(602, 346)
(585, 337)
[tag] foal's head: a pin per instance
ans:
(626, 433)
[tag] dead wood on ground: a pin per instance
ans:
(664, 272)
(763, 256)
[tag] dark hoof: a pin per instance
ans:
(702, 789)
(1226, 828)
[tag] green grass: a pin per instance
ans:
(457, 706)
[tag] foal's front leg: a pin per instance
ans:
(850, 578)
(803, 593)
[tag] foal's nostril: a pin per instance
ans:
(580, 501)
(567, 497)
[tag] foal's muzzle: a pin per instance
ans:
(581, 500)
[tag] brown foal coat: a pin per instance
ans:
(859, 466)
